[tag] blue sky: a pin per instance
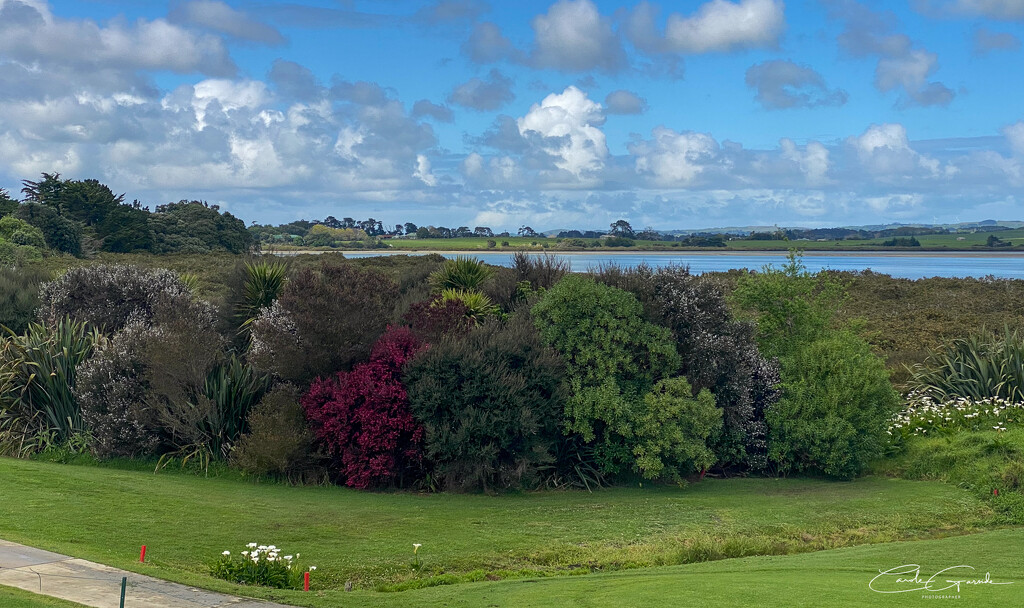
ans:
(573, 113)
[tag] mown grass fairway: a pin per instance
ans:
(104, 515)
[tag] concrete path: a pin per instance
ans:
(97, 585)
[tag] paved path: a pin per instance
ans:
(97, 585)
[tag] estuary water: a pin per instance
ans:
(908, 265)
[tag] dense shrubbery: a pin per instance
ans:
(567, 380)
(325, 321)
(717, 352)
(836, 397)
(978, 366)
(363, 417)
(490, 402)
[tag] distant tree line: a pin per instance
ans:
(82, 216)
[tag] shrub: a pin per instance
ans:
(980, 366)
(835, 408)
(60, 233)
(719, 354)
(111, 389)
(477, 306)
(490, 402)
(363, 419)
(677, 428)
(792, 306)
(19, 296)
(21, 232)
(107, 296)
(613, 357)
(433, 319)
(279, 441)
(326, 320)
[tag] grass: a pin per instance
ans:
(16, 598)
(978, 461)
(837, 578)
(105, 515)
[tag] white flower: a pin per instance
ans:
(288, 557)
(251, 545)
(312, 568)
(226, 553)
(245, 553)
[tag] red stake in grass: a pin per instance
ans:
(995, 491)
(305, 583)
(142, 554)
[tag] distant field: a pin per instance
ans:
(940, 242)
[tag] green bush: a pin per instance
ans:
(490, 402)
(677, 428)
(613, 358)
(19, 296)
(835, 409)
(983, 365)
(60, 233)
(21, 232)
(279, 442)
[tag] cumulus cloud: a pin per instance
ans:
(486, 44)
(294, 81)
(426, 108)
(488, 93)
(674, 159)
(784, 84)
(901, 67)
(30, 33)
(884, 151)
(986, 41)
(1015, 136)
(813, 161)
(624, 102)
(219, 17)
(910, 73)
(716, 26)
(566, 125)
(574, 36)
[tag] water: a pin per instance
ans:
(902, 265)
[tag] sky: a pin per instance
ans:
(567, 114)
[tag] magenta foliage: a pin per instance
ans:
(363, 416)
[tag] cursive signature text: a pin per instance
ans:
(908, 578)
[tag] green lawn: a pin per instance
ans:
(105, 515)
(16, 598)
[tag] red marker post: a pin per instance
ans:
(305, 583)
(142, 554)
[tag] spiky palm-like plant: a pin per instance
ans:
(982, 365)
(478, 306)
(263, 285)
(462, 274)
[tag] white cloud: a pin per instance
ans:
(36, 35)
(783, 84)
(482, 94)
(219, 17)
(422, 171)
(910, 72)
(884, 151)
(673, 159)
(1015, 136)
(813, 160)
(574, 36)
(568, 124)
(717, 26)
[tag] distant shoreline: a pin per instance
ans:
(685, 252)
